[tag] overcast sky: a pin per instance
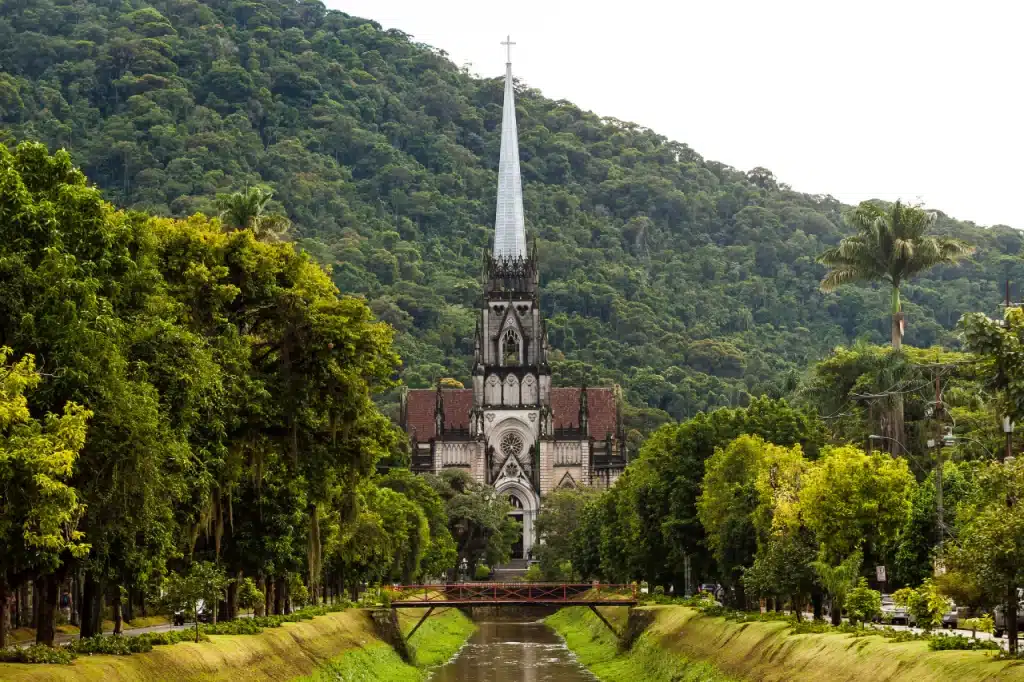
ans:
(913, 99)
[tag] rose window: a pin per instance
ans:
(511, 444)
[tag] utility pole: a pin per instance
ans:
(940, 512)
(1008, 430)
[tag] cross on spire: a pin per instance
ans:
(508, 45)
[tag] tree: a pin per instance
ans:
(863, 603)
(838, 580)
(478, 519)
(989, 530)
(202, 586)
(39, 511)
(557, 525)
(730, 496)
(661, 488)
(891, 245)
(853, 501)
(246, 210)
(250, 596)
(926, 604)
(786, 548)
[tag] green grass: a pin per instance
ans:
(434, 643)
(278, 654)
(681, 638)
(596, 648)
(368, 664)
(439, 638)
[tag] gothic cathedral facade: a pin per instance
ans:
(512, 430)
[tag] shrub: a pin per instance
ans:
(482, 572)
(114, 645)
(533, 573)
(959, 642)
(242, 626)
(981, 624)
(297, 591)
(925, 604)
(37, 653)
(863, 603)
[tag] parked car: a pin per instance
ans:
(891, 613)
(999, 616)
(204, 615)
(951, 618)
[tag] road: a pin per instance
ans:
(1002, 641)
(63, 638)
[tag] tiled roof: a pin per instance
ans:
(565, 404)
(419, 415)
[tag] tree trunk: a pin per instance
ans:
(279, 596)
(25, 613)
(116, 609)
(129, 607)
(1011, 617)
(817, 605)
(837, 612)
(268, 606)
(92, 606)
(261, 583)
(3, 611)
(741, 595)
(46, 626)
(36, 598)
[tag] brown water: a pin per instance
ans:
(504, 651)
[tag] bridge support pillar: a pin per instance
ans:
(605, 621)
(385, 621)
(417, 627)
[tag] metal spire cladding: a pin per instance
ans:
(509, 225)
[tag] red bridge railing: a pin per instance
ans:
(511, 593)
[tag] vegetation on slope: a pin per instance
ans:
(275, 654)
(691, 283)
(598, 649)
(766, 651)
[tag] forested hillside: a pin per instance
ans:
(689, 282)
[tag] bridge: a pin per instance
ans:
(461, 595)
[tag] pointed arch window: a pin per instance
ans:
(511, 348)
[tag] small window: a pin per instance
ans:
(510, 348)
(515, 502)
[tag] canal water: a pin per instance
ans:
(507, 651)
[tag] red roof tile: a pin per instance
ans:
(419, 414)
(565, 405)
(458, 402)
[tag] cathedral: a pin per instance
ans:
(513, 430)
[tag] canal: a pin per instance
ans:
(511, 651)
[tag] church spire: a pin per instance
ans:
(509, 226)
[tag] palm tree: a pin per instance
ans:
(246, 210)
(891, 245)
(838, 580)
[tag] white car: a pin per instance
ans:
(892, 613)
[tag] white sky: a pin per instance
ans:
(913, 99)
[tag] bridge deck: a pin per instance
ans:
(511, 594)
(511, 602)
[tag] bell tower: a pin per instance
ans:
(511, 376)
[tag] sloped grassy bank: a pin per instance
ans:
(286, 653)
(597, 648)
(433, 644)
(681, 640)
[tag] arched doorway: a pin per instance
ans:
(518, 548)
(524, 506)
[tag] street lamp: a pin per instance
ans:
(1008, 430)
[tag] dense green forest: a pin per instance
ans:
(690, 283)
